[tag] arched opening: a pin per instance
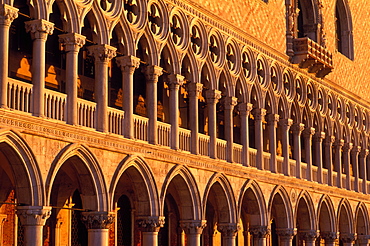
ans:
(343, 29)
(279, 223)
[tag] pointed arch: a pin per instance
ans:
(305, 216)
(280, 208)
(361, 220)
(345, 217)
(326, 215)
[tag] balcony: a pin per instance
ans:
(312, 56)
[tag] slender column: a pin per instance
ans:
(150, 227)
(347, 238)
(228, 233)
(244, 111)
(58, 224)
(39, 29)
(347, 163)
(33, 219)
(7, 15)
(128, 65)
(97, 224)
(194, 89)
(318, 138)
(72, 43)
(175, 81)
(354, 159)
(259, 117)
(2, 221)
(285, 236)
(230, 103)
(363, 174)
(212, 97)
(363, 240)
(297, 131)
(152, 74)
(272, 124)
(193, 230)
(260, 234)
(328, 145)
(338, 145)
(307, 134)
(103, 54)
(285, 126)
(329, 237)
(309, 237)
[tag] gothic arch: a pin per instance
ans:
(305, 215)
(142, 176)
(326, 215)
(345, 217)
(280, 208)
(361, 220)
(89, 172)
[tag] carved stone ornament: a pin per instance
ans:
(39, 29)
(175, 81)
(259, 231)
(347, 237)
(194, 89)
(72, 41)
(128, 64)
(308, 235)
(7, 14)
(329, 236)
(286, 233)
(102, 52)
(213, 96)
(97, 220)
(33, 215)
(228, 230)
(150, 224)
(193, 226)
(152, 72)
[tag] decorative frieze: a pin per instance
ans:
(33, 215)
(150, 224)
(97, 220)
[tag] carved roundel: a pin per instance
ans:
(347, 115)
(197, 40)
(274, 80)
(106, 5)
(320, 100)
(215, 49)
(287, 85)
(157, 20)
(178, 31)
(310, 96)
(133, 11)
(246, 65)
(261, 72)
(364, 121)
(299, 91)
(356, 119)
(231, 58)
(331, 108)
(340, 112)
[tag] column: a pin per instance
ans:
(363, 174)
(228, 233)
(194, 89)
(354, 160)
(260, 234)
(150, 227)
(309, 237)
(328, 145)
(347, 238)
(175, 81)
(272, 124)
(347, 164)
(33, 219)
(72, 43)
(102, 53)
(193, 230)
(7, 15)
(2, 221)
(259, 118)
(285, 125)
(363, 240)
(285, 236)
(338, 145)
(39, 29)
(244, 111)
(329, 237)
(128, 65)
(297, 131)
(307, 134)
(229, 105)
(97, 224)
(152, 74)
(318, 138)
(212, 97)
(58, 224)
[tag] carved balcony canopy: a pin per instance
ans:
(312, 56)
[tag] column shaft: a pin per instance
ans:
(347, 164)
(194, 89)
(272, 121)
(212, 98)
(175, 81)
(318, 138)
(259, 118)
(230, 103)
(338, 161)
(354, 160)
(297, 130)
(308, 133)
(328, 145)
(363, 173)
(285, 125)
(244, 111)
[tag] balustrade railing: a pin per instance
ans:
(221, 149)
(55, 103)
(237, 153)
(266, 160)
(115, 120)
(279, 163)
(184, 139)
(19, 95)
(140, 128)
(86, 113)
(252, 157)
(164, 131)
(204, 144)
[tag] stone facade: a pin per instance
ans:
(184, 123)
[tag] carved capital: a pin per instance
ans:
(347, 147)
(347, 237)
(229, 229)
(259, 231)
(33, 215)
(363, 239)
(356, 150)
(259, 114)
(319, 136)
(39, 29)
(175, 81)
(7, 14)
(150, 224)
(128, 64)
(308, 235)
(273, 119)
(329, 236)
(213, 96)
(193, 226)
(286, 233)
(286, 123)
(102, 52)
(97, 220)
(308, 132)
(297, 128)
(339, 143)
(245, 108)
(194, 89)
(364, 153)
(152, 73)
(230, 102)
(72, 41)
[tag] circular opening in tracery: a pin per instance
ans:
(320, 100)
(274, 79)
(155, 19)
(230, 57)
(176, 30)
(299, 90)
(261, 76)
(131, 8)
(246, 65)
(214, 49)
(310, 96)
(196, 40)
(286, 84)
